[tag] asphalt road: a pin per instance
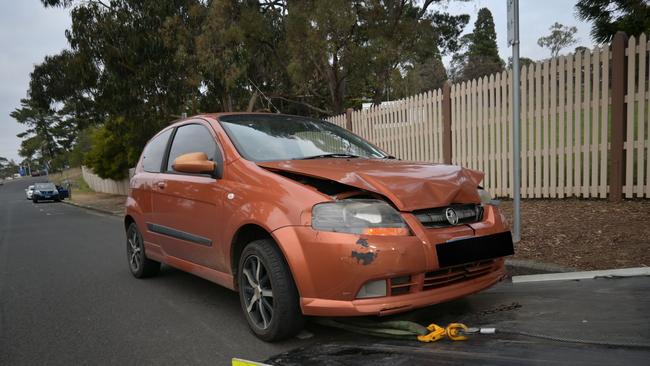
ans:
(67, 297)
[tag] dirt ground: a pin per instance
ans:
(102, 201)
(584, 234)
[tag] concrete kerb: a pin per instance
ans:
(92, 208)
(529, 265)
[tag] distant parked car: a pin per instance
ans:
(29, 192)
(45, 191)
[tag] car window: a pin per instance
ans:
(278, 137)
(153, 153)
(191, 138)
(44, 186)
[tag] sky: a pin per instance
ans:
(29, 32)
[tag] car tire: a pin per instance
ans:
(281, 304)
(35, 200)
(139, 265)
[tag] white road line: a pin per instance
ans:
(568, 276)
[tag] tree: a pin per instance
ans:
(611, 16)
(40, 138)
(7, 167)
(480, 54)
(523, 61)
(348, 50)
(134, 65)
(561, 36)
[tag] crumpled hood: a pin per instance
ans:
(410, 186)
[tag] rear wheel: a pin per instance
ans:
(139, 264)
(267, 293)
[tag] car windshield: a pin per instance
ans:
(44, 186)
(270, 137)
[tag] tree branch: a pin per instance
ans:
(310, 106)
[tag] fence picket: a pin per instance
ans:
(552, 151)
(578, 127)
(595, 96)
(604, 118)
(640, 97)
(641, 122)
(569, 126)
(561, 127)
(629, 141)
(531, 131)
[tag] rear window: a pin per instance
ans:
(44, 186)
(154, 152)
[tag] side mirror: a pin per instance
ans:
(194, 163)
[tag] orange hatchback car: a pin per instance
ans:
(304, 218)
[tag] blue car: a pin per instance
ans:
(45, 192)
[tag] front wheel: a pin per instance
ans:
(139, 264)
(267, 293)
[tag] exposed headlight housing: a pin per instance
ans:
(486, 197)
(372, 289)
(359, 216)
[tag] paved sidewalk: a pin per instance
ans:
(102, 202)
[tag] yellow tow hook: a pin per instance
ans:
(457, 331)
(436, 333)
(454, 331)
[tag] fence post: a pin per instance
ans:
(617, 156)
(446, 123)
(348, 119)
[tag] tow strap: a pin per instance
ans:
(403, 329)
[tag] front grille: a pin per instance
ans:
(450, 275)
(437, 217)
(400, 285)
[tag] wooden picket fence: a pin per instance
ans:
(566, 126)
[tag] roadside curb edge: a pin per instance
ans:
(92, 208)
(538, 266)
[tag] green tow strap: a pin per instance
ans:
(400, 329)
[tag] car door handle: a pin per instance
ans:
(161, 185)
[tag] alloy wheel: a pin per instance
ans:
(134, 251)
(257, 291)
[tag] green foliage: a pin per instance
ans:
(105, 142)
(480, 54)
(561, 36)
(611, 16)
(7, 167)
(523, 61)
(135, 65)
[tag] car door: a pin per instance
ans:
(187, 207)
(142, 183)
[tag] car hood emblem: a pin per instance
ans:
(451, 215)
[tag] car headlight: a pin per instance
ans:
(37, 192)
(486, 197)
(359, 216)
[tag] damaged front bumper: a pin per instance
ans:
(330, 268)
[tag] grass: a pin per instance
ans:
(74, 177)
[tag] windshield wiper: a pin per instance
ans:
(389, 157)
(333, 155)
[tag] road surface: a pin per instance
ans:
(67, 297)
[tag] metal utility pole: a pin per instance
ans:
(513, 40)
